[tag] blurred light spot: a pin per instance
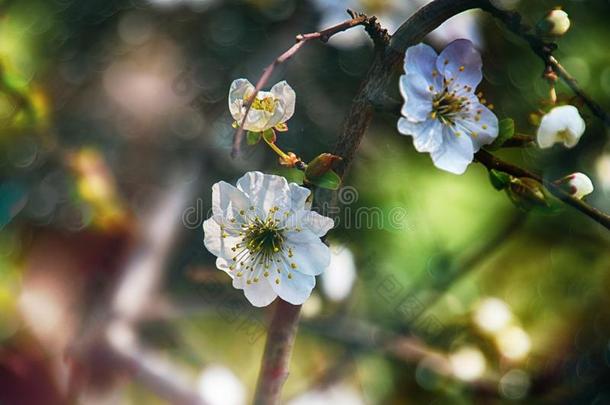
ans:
(513, 342)
(429, 372)
(135, 28)
(604, 79)
(23, 152)
(602, 168)
(467, 363)
(341, 394)
(492, 315)
(505, 4)
(312, 306)
(514, 384)
(578, 68)
(218, 385)
(338, 278)
(121, 336)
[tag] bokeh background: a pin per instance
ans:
(113, 127)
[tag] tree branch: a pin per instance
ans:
(492, 162)
(278, 350)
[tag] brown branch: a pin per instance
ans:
(278, 350)
(301, 39)
(492, 162)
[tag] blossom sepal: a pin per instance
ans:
(499, 180)
(253, 137)
(319, 171)
(529, 194)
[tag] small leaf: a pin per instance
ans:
(506, 130)
(269, 135)
(329, 180)
(499, 179)
(253, 137)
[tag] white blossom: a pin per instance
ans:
(267, 238)
(560, 125)
(441, 110)
(269, 108)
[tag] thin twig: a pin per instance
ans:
(301, 39)
(544, 50)
(492, 162)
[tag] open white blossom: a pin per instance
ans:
(269, 109)
(579, 184)
(267, 238)
(441, 111)
(560, 125)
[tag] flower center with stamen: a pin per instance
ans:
(446, 105)
(264, 237)
(264, 104)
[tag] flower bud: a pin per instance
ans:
(578, 184)
(320, 165)
(526, 193)
(554, 24)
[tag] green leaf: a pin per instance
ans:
(269, 135)
(253, 137)
(329, 180)
(506, 130)
(499, 179)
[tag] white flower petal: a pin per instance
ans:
(261, 293)
(311, 258)
(427, 136)
(214, 242)
(318, 224)
(287, 98)
(421, 60)
(227, 200)
(560, 125)
(482, 131)
(298, 196)
(240, 90)
(265, 190)
(418, 97)
(455, 154)
(461, 62)
(294, 289)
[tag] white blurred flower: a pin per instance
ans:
(267, 238)
(441, 111)
(492, 315)
(269, 108)
(513, 342)
(217, 385)
(558, 21)
(467, 363)
(602, 169)
(560, 125)
(578, 184)
(335, 395)
(339, 277)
